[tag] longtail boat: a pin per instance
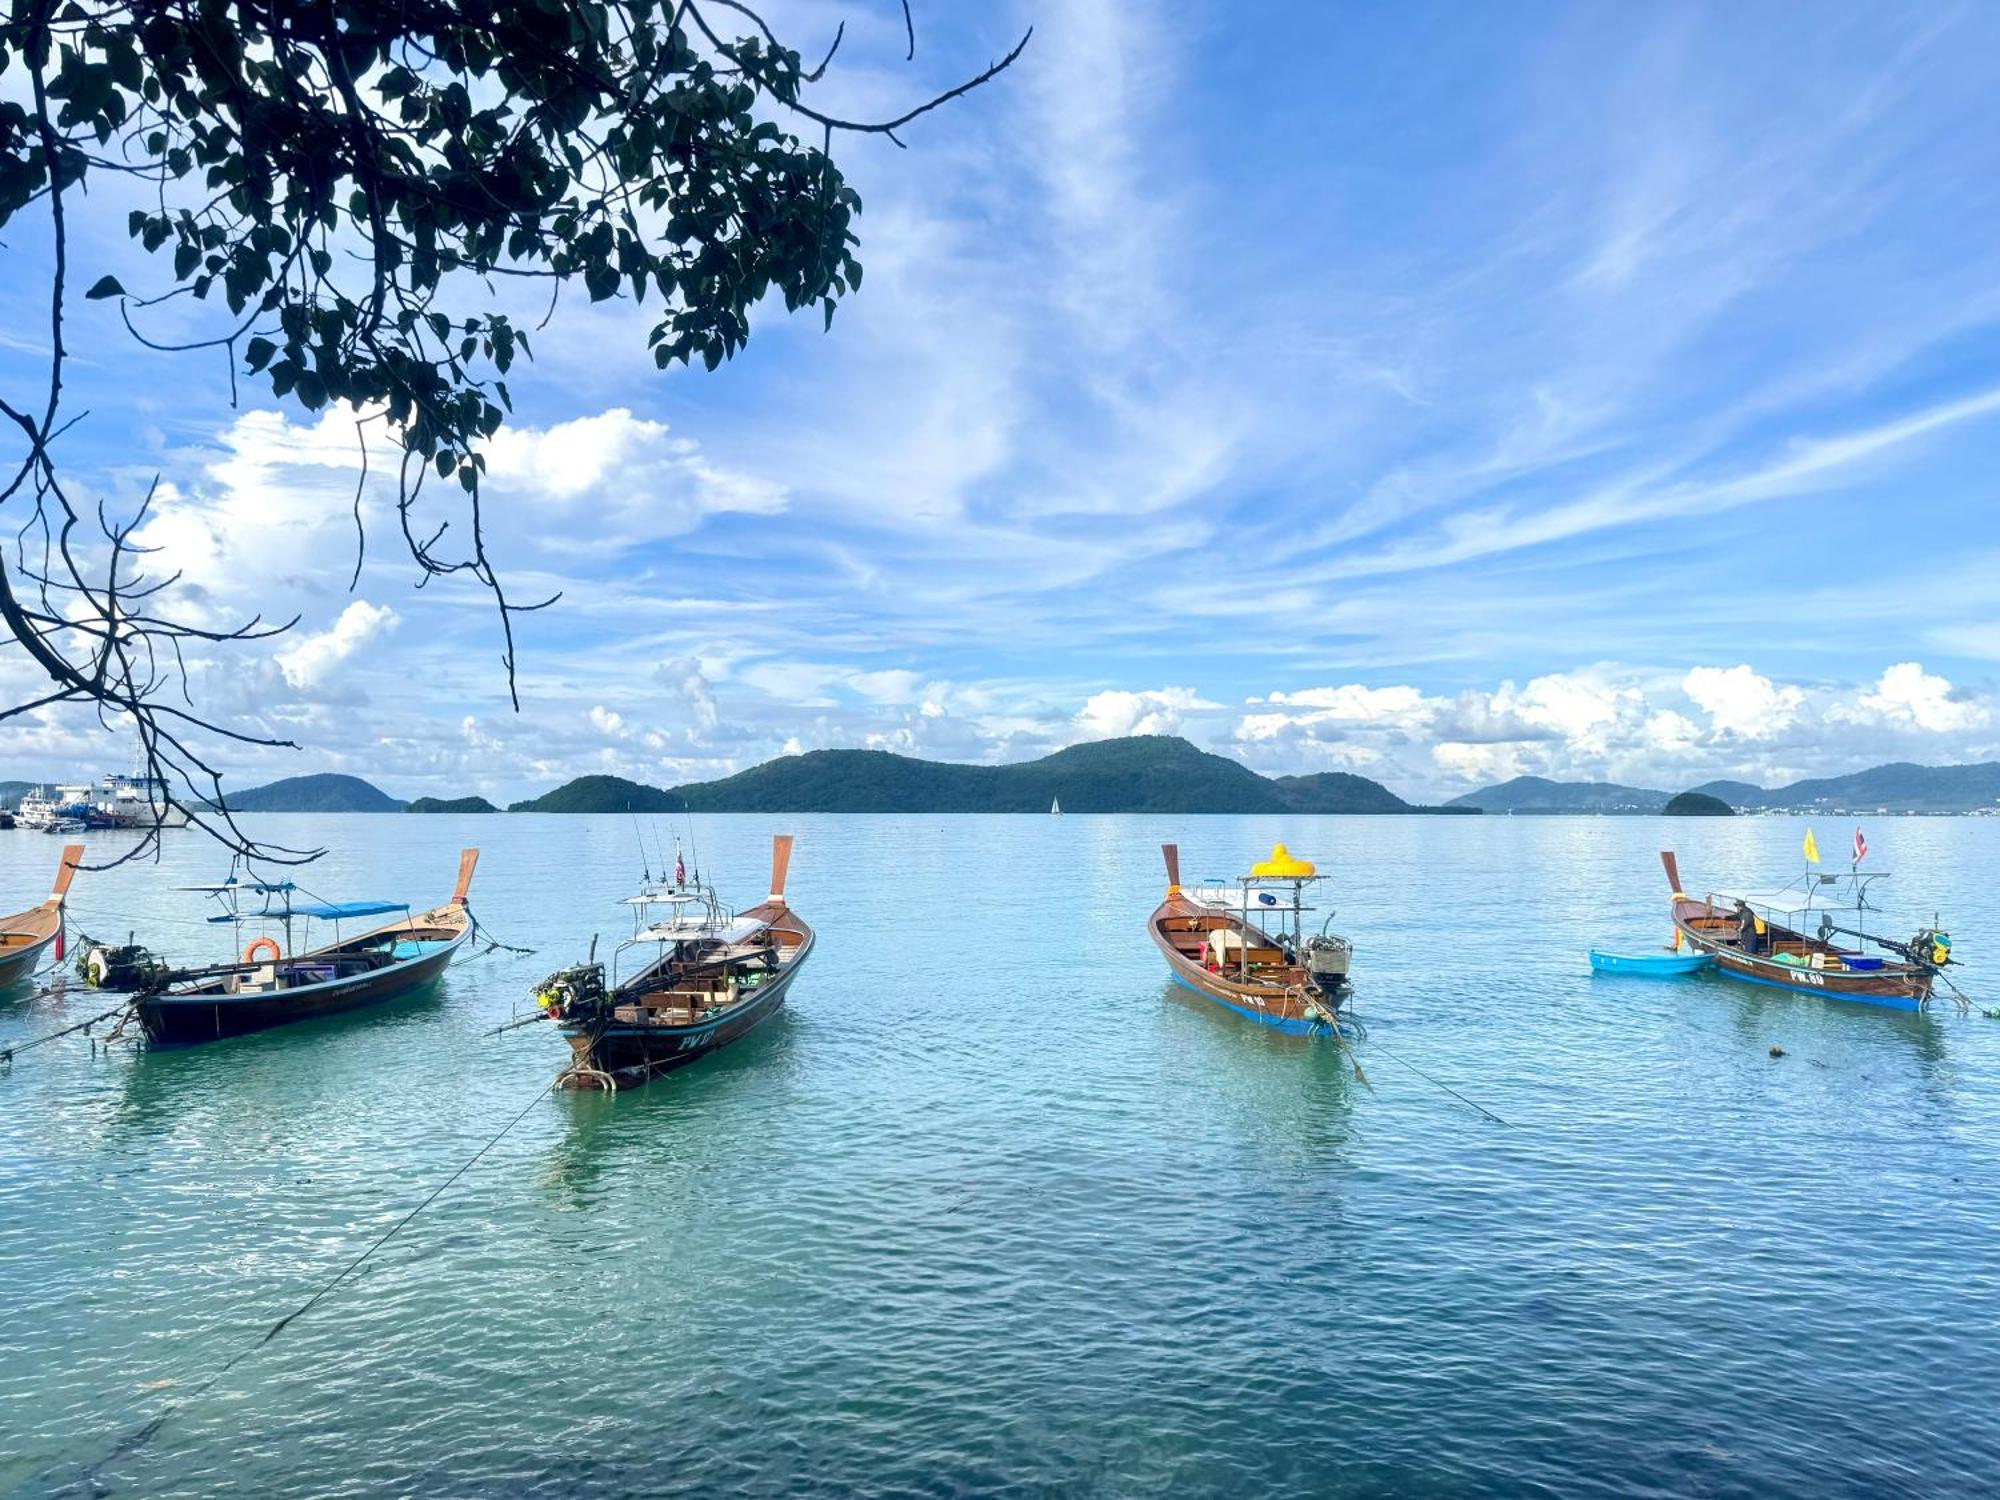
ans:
(273, 983)
(711, 976)
(27, 935)
(1243, 945)
(1787, 939)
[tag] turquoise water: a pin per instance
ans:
(992, 1206)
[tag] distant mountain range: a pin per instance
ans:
(1138, 774)
(1537, 794)
(1900, 787)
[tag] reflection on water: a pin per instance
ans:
(991, 1204)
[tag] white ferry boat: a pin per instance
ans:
(114, 801)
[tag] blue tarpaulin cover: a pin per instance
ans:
(337, 910)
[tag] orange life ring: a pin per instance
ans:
(250, 953)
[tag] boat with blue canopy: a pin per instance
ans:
(281, 976)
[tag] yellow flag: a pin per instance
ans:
(1812, 848)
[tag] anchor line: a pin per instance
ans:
(144, 1434)
(493, 942)
(1439, 1084)
(7, 1053)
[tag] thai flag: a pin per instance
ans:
(681, 869)
(1860, 847)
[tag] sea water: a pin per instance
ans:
(992, 1206)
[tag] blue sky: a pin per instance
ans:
(1440, 393)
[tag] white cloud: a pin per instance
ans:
(310, 659)
(1116, 712)
(1910, 697)
(1742, 702)
(607, 482)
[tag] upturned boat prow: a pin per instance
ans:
(714, 975)
(1216, 945)
(27, 935)
(1774, 940)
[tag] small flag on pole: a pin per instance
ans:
(1860, 847)
(1812, 848)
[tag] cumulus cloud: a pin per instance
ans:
(310, 660)
(607, 482)
(1116, 712)
(1908, 696)
(1744, 703)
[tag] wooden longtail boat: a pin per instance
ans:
(1798, 952)
(1215, 944)
(273, 986)
(27, 935)
(716, 975)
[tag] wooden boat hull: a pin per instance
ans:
(26, 937)
(21, 959)
(219, 1008)
(1281, 1005)
(1710, 929)
(183, 1020)
(630, 1056)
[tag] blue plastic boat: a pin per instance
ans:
(1658, 965)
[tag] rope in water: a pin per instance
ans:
(1374, 1046)
(7, 1053)
(144, 1434)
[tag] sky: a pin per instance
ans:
(1437, 392)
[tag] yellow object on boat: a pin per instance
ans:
(1283, 866)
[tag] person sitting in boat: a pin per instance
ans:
(1749, 930)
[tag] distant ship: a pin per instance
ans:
(1055, 808)
(114, 801)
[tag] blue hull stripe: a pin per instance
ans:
(1880, 1002)
(1276, 1023)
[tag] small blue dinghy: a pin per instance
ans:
(1658, 965)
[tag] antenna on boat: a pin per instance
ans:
(645, 864)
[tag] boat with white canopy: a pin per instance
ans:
(705, 976)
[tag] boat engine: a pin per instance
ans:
(1931, 947)
(1327, 959)
(572, 991)
(130, 967)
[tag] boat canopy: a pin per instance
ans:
(684, 929)
(1283, 865)
(334, 911)
(662, 895)
(1233, 897)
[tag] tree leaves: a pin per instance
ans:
(352, 190)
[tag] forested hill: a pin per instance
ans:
(324, 793)
(1897, 787)
(1537, 794)
(1138, 774)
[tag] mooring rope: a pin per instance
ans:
(1375, 1046)
(139, 1437)
(481, 930)
(7, 1053)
